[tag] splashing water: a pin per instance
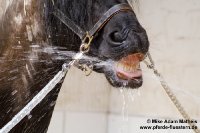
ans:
(14, 92)
(128, 97)
(131, 95)
(30, 116)
(40, 96)
(124, 111)
(138, 92)
(123, 92)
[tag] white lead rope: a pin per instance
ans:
(40, 96)
(170, 94)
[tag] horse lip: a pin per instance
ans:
(129, 75)
(128, 68)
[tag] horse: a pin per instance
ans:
(34, 44)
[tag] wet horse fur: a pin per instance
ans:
(33, 47)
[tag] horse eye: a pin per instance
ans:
(116, 37)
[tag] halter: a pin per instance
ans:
(88, 36)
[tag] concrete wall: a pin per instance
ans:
(90, 104)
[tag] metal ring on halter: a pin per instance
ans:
(85, 46)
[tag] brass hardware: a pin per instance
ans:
(86, 69)
(85, 46)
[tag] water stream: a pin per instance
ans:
(128, 95)
(40, 96)
(124, 110)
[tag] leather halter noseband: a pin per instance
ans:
(87, 36)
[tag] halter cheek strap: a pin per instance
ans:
(88, 36)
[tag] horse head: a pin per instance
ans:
(119, 46)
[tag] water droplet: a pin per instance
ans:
(138, 92)
(52, 103)
(131, 94)
(14, 92)
(30, 116)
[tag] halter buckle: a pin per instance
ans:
(86, 41)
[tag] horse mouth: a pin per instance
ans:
(128, 68)
(125, 72)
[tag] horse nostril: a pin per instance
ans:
(116, 37)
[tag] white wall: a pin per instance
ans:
(90, 104)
